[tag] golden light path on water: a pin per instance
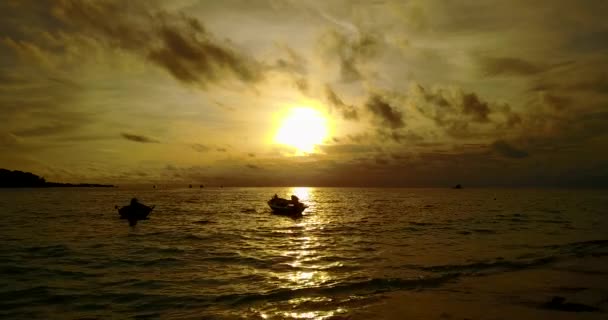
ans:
(305, 251)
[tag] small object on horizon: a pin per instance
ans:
(458, 186)
(190, 186)
(154, 187)
(201, 186)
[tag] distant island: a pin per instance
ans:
(20, 179)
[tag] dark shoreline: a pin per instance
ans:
(61, 185)
(20, 179)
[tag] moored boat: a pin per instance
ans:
(134, 212)
(286, 207)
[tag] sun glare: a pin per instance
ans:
(303, 129)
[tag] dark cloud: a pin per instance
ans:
(251, 154)
(585, 76)
(138, 138)
(192, 60)
(293, 63)
(350, 51)
(345, 148)
(557, 102)
(178, 43)
(8, 139)
(359, 138)
(253, 166)
(347, 112)
(301, 84)
(206, 148)
(200, 147)
(381, 160)
(498, 66)
(460, 113)
(295, 66)
(477, 109)
(382, 110)
(506, 150)
(47, 129)
(398, 136)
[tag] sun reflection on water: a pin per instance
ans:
(305, 251)
(304, 193)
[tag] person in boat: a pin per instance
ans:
(134, 203)
(275, 197)
(295, 200)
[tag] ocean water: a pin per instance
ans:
(220, 254)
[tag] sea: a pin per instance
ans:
(356, 253)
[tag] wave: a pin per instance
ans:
(579, 245)
(49, 251)
(594, 248)
(204, 222)
(17, 271)
(487, 267)
(414, 223)
(486, 231)
(367, 286)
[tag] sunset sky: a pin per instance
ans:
(317, 93)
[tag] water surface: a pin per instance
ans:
(221, 254)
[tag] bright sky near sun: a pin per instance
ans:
(303, 128)
(282, 92)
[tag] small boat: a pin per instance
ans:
(286, 207)
(134, 212)
(139, 213)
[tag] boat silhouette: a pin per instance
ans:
(286, 207)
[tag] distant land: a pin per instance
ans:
(20, 179)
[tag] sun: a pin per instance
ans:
(303, 128)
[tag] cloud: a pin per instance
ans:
(200, 147)
(461, 114)
(346, 148)
(348, 112)
(176, 42)
(398, 136)
(138, 138)
(294, 63)
(8, 139)
(506, 150)
(383, 111)
(508, 66)
(477, 109)
(351, 51)
(27, 51)
(583, 77)
(555, 101)
(301, 84)
(253, 166)
(47, 129)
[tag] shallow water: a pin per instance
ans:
(219, 253)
